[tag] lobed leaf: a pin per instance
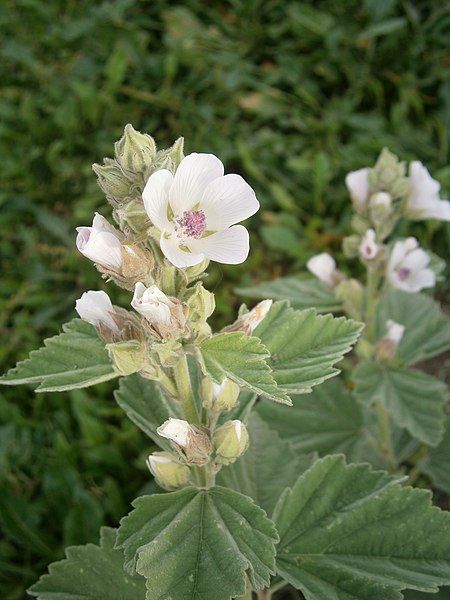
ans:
(437, 463)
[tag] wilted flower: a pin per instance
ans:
(196, 210)
(175, 430)
(248, 322)
(191, 442)
(323, 266)
(230, 441)
(368, 248)
(407, 267)
(168, 473)
(387, 346)
(164, 314)
(96, 309)
(423, 199)
(357, 183)
(101, 243)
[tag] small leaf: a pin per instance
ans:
(413, 399)
(90, 572)
(427, 329)
(350, 533)
(268, 466)
(301, 293)
(437, 463)
(196, 544)
(243, 360)
(73, 359)
(304, 346)
(146, 405)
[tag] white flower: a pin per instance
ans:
(175, 430)
(407, 267)
(423, 199)
(394, 331)
(96, 308)
(196, 211)
(153, 304)
(323, 266)
(368, 248)
(101, 243)
(357, 183)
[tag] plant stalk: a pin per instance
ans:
(385, 435)
(185, 394)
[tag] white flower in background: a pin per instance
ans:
(423, 199)
(101, 243)
(197, 209)
(175, 430)
(357, 183)
(323, 266)
(248, 322)
(368, 248)
(96, 309)
(394, 331)
(153, 304)
(407, 267)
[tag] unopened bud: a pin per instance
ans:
(350, 246)
(201, 303)
(248, 322)
(219, 398)
(112, 180)
(323, 266)
(230, 441)
(128, 356)
(101, 243)
(192, 442)
(194, 272)
(380, 207)
(387, 346)
(368, 248)
(96, 308)
(135, 216)
(357, 183)
(169, 473)
(135, 151)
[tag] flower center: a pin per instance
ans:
(191, 224)
(403, 273)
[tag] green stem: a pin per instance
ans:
(264, 594)
(185, 394)
(371, 301)
(385, 435)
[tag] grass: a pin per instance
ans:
(290, 94)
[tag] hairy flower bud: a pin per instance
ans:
(169, 473)
(230, 441)
(164, 314)
(201, 303)
(323, 266)
(350, 246)
(112, 181)
(101, 243)
(248, 322)
(219, 398)
(96, 309)
(135, 151)
(380, 207)
(191, 442)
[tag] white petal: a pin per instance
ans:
(400, 250)
(357, 183)
(170, 247)
(95, 307)
(437, 209)
(416, 260)
(322, 266)
(99, 223)
(194, 173)
(230, 246)
(420, 280)
(101, 247)
(228, 200)
(156, 198)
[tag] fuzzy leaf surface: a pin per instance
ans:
(437, 463)
(73, 359)
(413, 399)
(301, 293)
(242, 359)
(90, 572)
(305, 346)
(350, 533)
(427, 329)
(268, 466)
(198, 544)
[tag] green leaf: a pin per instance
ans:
(146, 405)
(413, 399)
(242, 359)
(198, 544)
(90, 572)
(427, 329)
(304, 346)
(350, 533)
(301, 293)
(73, 359)
(437, 463)
(327, 421)
(443, 594)
(268, 466)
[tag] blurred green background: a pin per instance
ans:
(291, 94)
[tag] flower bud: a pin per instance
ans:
(350, 246)
(191, 442)
(164, 314)
(219, 398)
(249, 321)
(128, 356)
(387, 346)
(230, 441)
(368, 248)
(323, 266)
(357, 183)
(101, 243)
(169, 473)
(135, 151)
(201, 303)
(112, 180)
(96, 309)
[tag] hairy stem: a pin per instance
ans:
(384, 426)
(185, 394)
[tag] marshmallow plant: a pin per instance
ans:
(240, 511)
